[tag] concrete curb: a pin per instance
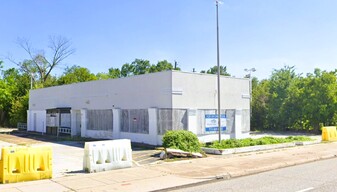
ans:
(257, 148)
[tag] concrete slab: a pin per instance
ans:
(143, 185)
(36, 186)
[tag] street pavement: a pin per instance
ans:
(172, 175)
(315, 176)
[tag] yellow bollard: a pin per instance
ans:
(25, 163)
(329, 134)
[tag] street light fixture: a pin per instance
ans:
(250, 71)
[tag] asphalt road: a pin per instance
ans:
(316, 176)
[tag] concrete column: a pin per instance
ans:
(153, 129)
(84, 122)
(116, 113)
(192, 120)
(238, 124)
(44, 120)
(73, 123)
(30, 121)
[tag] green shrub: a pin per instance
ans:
(235, 143)
(181, 139)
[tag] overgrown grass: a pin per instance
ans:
(235, 143)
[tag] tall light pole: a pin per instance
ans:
(31, 81)
(250, 87)
(218, 64)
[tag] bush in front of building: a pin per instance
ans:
(235, 143)
(181, 139)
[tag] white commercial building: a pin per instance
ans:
(143, 107)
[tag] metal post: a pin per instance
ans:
(218, 64)
(250, 87)
(31, 81)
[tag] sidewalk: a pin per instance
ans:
(174, 174)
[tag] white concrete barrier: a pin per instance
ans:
(107, 155)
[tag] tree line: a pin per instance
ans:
(15, 83)
(284, 101)
(296, 102)
(36, 72)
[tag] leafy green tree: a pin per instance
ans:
(137, 67)
(280, 82)
(287, 101)
(161, 66)
(5, 97)
(140, 66)
(76, 74)
(18, 111)
(260, 102)
(112, 74)
(13, 85)
(127, 70)
(214, 70)
(319, 98)
(101, 76)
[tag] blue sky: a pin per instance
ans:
(265, 34)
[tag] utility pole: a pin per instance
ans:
(31, 80)
(250, 86)
(218, 64)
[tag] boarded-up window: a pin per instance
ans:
(135, 121)
(171, 119)
(125, 121)
(230, 115)
(100, 120)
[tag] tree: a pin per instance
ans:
(214, 70)
(38, 62)
(137, 67)
(112, 74)
(318, 97)
(140, 66)
(18, 111)
(76, 74)
(260, 102)
(127, 70)
(102, 76)
(161, 66)
(280, 81)
(13, 85)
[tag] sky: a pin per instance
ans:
(260, 34)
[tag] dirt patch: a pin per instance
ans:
(14, 139)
